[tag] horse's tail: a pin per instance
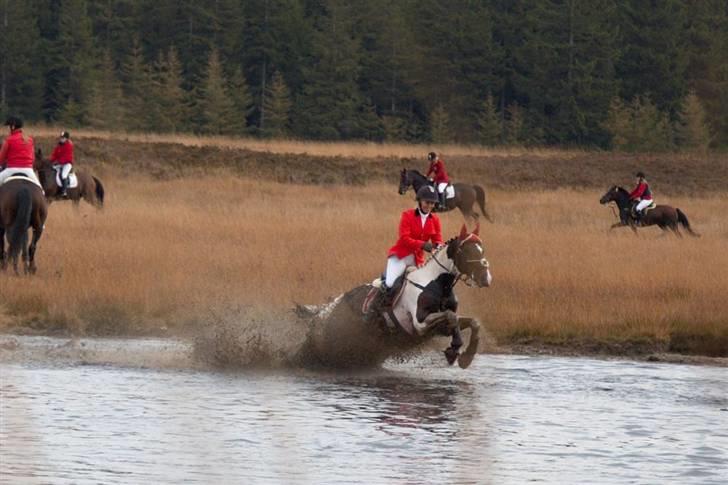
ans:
(683, 219)
(480, 195)
(18, 234)
(99, 191)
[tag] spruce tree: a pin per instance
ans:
(277, 108)
(138, 89)
(242, 102)
(105, 108)
(440, 125)
(692, 129)
(490, 131)
(172, 100)
(216, 107)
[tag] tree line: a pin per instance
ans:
(628, 74)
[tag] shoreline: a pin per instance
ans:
(12, 342)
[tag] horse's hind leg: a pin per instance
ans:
(33, 243)
(3, 260)
(466, 358)
(452, 352)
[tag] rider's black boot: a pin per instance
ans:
(442, 199)
(64, 189)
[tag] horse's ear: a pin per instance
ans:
(463, 233)
(476, 231)
(39, 153)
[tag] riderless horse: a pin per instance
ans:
(464, 196)
(663, 216)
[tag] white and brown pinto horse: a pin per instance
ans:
(344, 334)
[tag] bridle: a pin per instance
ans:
(467, 278)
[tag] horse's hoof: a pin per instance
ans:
(451, 355)
(465, 360)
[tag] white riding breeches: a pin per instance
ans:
(396, 267)
(65, 169)
(441, 187)
(642, 204)
(29, 172)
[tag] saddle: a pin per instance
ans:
(72, 179)
(385, 316)
(644, 211)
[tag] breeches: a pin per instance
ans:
(396, 267)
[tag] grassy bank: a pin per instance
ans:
(165, 253)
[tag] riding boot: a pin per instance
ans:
(64, 188)
(379, 303)
(442, 199)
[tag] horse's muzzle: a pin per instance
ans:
(485, 279)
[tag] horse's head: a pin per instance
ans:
(404, 181)
(40, 163)
(468, 253)
(612, 195)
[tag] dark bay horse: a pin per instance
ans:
(89, 187)
(664, 216)
(22, 206)
(466, 195)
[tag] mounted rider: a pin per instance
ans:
(419, 231)
(641, 195)
(62, 159)
(17, 152)
(437, 174)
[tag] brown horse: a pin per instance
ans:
(664, 216)
(22, 206)
(465, 198)
(89, 187)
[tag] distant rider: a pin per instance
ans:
(17, 152)
(62, 159)
(642, 195)
(438, 175)
(419, 231)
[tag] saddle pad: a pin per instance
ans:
(72, 180)
(449, 192)
(20, 176)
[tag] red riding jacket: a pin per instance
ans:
(437, 167)
(17, 150)
(63, 153)
(412, 235)
(642, 191)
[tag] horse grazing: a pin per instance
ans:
(465, 197)
(343, 333)
(89, 187)
(664, 216)
(22, 206)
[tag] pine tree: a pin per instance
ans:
(490, 130)
(395, 128)
(619, 123)
(692, 129)
(172, 101)
(515, 125)
(242, 102)
(137, 77)
(277, 108)
(440, 125)
(105, 108)
(216, 107)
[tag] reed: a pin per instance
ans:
(162, 254)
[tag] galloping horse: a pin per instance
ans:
(341, 334)
(465, 194)
(664, 216)
(89, 187)
(22, 206)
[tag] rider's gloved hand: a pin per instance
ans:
(427, 247)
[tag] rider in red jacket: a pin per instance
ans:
(642, 195)
(17, 152)
(62, 159)
(438, 175)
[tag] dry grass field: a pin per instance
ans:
(164, 253)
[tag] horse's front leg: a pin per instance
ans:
(466, 358)
(3, 261)
(446, 321)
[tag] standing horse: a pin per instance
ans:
(89, 187)
(22, 206)
(343, 334)
(664, 216)
(465, 197)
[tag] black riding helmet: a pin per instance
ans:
(432, 156)
(427, 192)
(66, 135)
(640, 175)
(14, 122)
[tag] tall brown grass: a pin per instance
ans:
(348, 149)
(162, 254)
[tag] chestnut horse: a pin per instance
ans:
(466, 195)
(664, 216)
(89, 187)
(22, 206)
